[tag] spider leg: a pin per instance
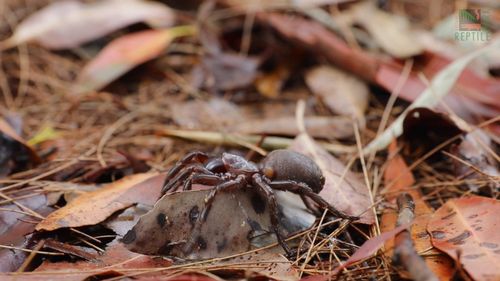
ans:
(195, 156)
(183, 175)
(304, 190)
(204, 179)
(309, 206)
(267, 192)
(240, 181)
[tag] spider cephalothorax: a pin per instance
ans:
(282, 169)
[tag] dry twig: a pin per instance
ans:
(404, 251)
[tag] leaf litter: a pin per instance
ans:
(68, 24)
(145, 102)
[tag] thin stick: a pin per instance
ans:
(404, 250)
(439, 147)
(30, 251)
(21, 206)
(365, 174)
(31, 256)
(109, 133)
(48, 173)
(493, 178)
(405, 73)
(247, 33)
(229, 139)
(308, 255)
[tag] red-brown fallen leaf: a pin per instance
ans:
(104, 274)
(314, 36)
(115, 259)
(366, 250)
(470, 225)
(96, 206)
(398, 178)
(67, 24)
(471, 96)
(348, 195)
(125, 53)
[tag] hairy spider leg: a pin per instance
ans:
(195, 156)
(238, 182)
(204, 179)
(267, 192)
(183, 175)
(303, 189)
(310, 206)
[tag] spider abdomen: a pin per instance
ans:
(284, 164)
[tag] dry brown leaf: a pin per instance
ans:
(67, 24)
(96, 206)
(235, 224)
(199, 114)
(228, 71)
(392, 32)
(343, 93)
(470, 226)
(348, 195)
